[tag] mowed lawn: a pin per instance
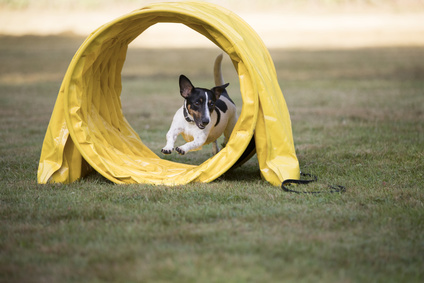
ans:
(358, 121)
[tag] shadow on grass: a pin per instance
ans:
(246, 173)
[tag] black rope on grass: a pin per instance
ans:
(333, 189)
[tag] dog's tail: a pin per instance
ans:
(219, 79)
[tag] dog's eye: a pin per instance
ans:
(197, 103)
(211, 104)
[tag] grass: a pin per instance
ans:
(357, 121)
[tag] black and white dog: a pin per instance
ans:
(204, 116)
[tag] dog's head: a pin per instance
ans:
(200, 102)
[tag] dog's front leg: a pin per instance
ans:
(171, 137)
(198, 141)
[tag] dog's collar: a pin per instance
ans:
(186, 115)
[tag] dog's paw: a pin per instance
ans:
(180, 151)
(166, 151)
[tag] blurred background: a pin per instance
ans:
(280, 23)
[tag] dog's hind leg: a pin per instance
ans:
(215, 148)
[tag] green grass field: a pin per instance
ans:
(357, 119)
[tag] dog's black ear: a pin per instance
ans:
(218, 90)
(186, 87)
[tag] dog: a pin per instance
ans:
(206, 114)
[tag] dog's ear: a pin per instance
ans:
(218, 90)
(186, 87)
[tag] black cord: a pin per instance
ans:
(333, 189)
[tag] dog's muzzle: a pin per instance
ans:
(203, 124)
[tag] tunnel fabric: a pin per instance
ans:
(88, 130)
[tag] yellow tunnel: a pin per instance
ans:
(88, 129)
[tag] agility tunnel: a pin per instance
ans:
(88, 130)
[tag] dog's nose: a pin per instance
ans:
(205, 122)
